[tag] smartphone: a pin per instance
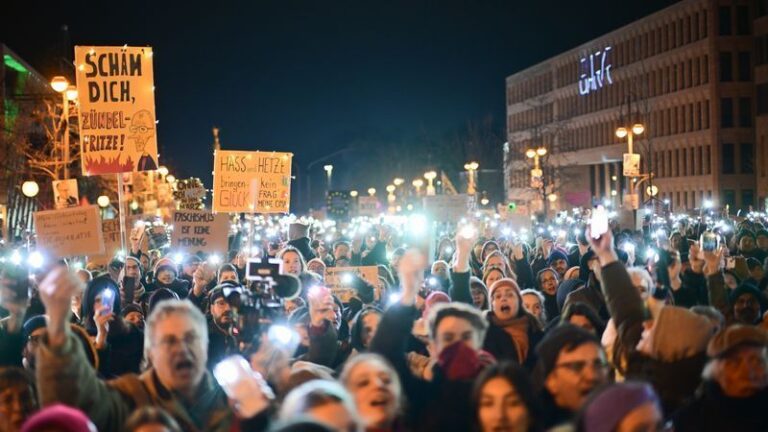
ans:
(108, 300)
(238, 380)
(129, 288)
(709, 241)
(599, 222)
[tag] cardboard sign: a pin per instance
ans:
(65, 194)
(335, 280)
(447, 208)
(110, 233)
(196, 231)
(367, 206)
(69, 232)
(115, 86)
(251, 182)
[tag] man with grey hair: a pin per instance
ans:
(175, 344)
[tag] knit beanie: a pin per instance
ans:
(59, 418)
(132, 307)
(434, 298)
(32, 324)
(555, 255)
(501, 283)
(606, 409)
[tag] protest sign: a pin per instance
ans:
(115, 86)
(251, 182)
(65, 194)
(189, 194)
(447, 208)
(367, 206)
(340, 285)
(110, 233)
(196, 231)
(69, 232)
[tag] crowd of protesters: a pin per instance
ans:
(643, 330)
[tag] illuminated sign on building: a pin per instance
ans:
(594, 71)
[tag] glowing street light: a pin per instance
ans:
(398, 181)
(71, 93)
(353, 194)
(471, 168)
(59, 84)
(391, 193)
(371, 191)
(418, 183)
(103, 201)
(430, 176)
(163, 170)
(30, 188)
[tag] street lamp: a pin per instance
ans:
(163, 170)
(103, 201)
(430, 176)
(391, 193)
(552, 197)
(170, 178)
(371, 191)
(471, 168)
(71, 93)
(631, 163)
(329, 171)
(418, 183)
(353, 194)
(30, 188)
(398, 181)
(61, 85)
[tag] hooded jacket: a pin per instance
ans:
(713, 411)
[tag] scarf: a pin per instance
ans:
(517, 329)
(460, 362)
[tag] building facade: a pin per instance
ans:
(694, 74)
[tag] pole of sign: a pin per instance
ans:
(121, 211)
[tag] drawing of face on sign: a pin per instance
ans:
(142, 129)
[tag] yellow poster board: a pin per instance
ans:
(118, 130)
(69, 232)
(251, 182)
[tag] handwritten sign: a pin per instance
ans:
(251, 182)
(196, 231)
(118, 129)
(69, 232)
(367, 206)
(110, 233)
(337, 279)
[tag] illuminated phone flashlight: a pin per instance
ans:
(35, 260)
(347, 278)
(230, 370)
(448, 249)
(628, 247)
(506, 231)
(467, 231)
(394, 298)
(432, 281)
(283, 336)
(16, 257)
(78, 265)
(139, 224)
(328, 238)
(214, 259)
(651, 253)
(178, 257)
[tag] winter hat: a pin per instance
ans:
(555, 255)
(59, 418)
(132, 307)
(434, 298)
(159, 295)
(748, 288)
(609, 406)
(677, 333)
(735, 336)
(215, 294)
(162, 262)
(563, 337)
(505, 282)
(584, 270)
(32, 324)
(165, 267)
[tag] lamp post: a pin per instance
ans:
(430, 176)
(537, 174)
(30, 188)
(471, 168)
(371, 191)
(391, 193)
(631, 165)
(68, 93)
(418, 183)
(329, 172)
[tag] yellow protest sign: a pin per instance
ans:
(69, 232)
(251, 182)
(118, 131)
(196, 231)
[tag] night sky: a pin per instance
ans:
(396, 81)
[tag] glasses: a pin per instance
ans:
(577, 367)
(171, 342)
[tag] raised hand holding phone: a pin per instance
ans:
(247, 389)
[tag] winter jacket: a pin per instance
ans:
(438, 405)
(64, 376)
(501, 344)
(673, 361)
(303, 245)
(713, 411)
(221, 344)
(591, 295)
(693, 290)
